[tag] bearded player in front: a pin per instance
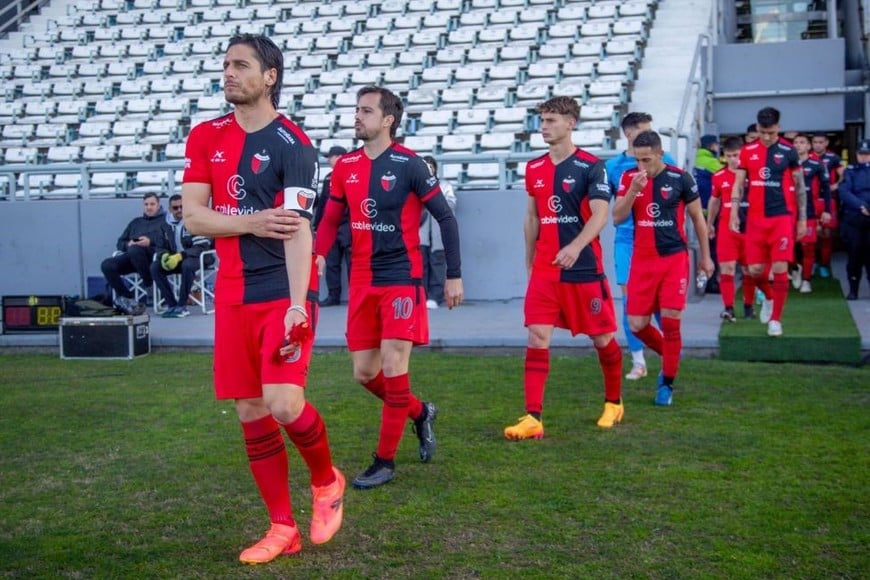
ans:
(249, 182)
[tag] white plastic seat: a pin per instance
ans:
(474, 19)
(416, 57)
(570, 88)
(462, 37)
(164, 85)
(421, 99)
(17, 135)
(67, 184)
(125, 132)
(471, 121)
(473, 75)
(595, 28)
(367, 76)
(411, 21)
(435, 122)
(317, 102)
(48, 134)
(318, 125)
(174, 151)
(66, 89)
(592, 138)
(493, 35)
(601, 10)
(509, 119)
(572, 13)
(345, 128)
(525, 34)
(457, 97)
(634, 8)
(99, 153)
(548, 71)
(629, 46)
(109, 183)
(504, 73)
(422, 144)
(503, 17)
(483, 174)
(35, 183)
(438, 76)
(482, 54)
(17, 154)
(160, 131)
(464, 143)
(576, 70)
(504, 142)
(63, 154)
(492, 94)
(344, 102)
(135, 152)
(630, 27)
(563, 30)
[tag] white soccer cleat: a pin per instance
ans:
(766, 311)
(774, 328)
(797, 277)
(806, 288)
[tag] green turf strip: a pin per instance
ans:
(817, 327)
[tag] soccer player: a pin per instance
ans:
(773, 171)
(818, 198)
(385, 186)
(569, 202)
(834, 165)
(659, 196)
(729, 245)
(259, 171)
(751, 135)
(632, 125)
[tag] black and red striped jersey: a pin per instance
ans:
(659, 211)
(384, 197)
(818, 185)
(769, 180)
(562, 194)
(251, 172)
(832, 163)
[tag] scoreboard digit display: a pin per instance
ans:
(31, 313)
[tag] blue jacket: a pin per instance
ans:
(855, 188)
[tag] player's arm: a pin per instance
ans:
(531, 228)
(697, 217)
(849, 196)
(825, 191)
(630, 186)
(201, 220)
(567, 256)
(800, 190)
(438, 208)
(713, 206)
(736, 198)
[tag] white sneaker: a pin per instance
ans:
(431, 304)
(766, 311)
(637, 372)
(797, 277)
(774, 328)
(805, 287)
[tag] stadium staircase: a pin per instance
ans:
(116, 85)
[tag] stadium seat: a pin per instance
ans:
(498, 142)
(67, 184)
(422, 144)
(471, 121)
(49, 134)
(457, 97)
(124, 132)
(17, 135)
(63, 154)
(510, 119)
(435, 122)
(35, 184)
(17, 154)
(318, 126)
(484, 175)
(174, 151)
(459, 143)
(345, 128)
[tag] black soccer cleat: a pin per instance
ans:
(381, 471)
(748, 312)
(728, 315)
(425, 432)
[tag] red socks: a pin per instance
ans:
(610, 358)
(780, 294)
(651, 337)
(393, 415)
(308, 433)
(673, 344)
(826, 245)
(809, 258)
(537, 368)
(267, 457)
(726, 287)
(377, 387)
(748, 290)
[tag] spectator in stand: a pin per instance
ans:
(177, 253)
(632, 125)
(855, 194)
(136, 247)
(834, 165)
(818, 198)
(340, 252)
(432, 247)
(729, 245)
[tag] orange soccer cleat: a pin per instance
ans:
(280, 539)
(328, 509)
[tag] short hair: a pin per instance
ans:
(751, 128)
(732, 144)
(648, 139)
(390, 104)
(561, 105)
(806, 136)
(269, 56)
(633, 120)
(151, 194)
(767, 117)
(174, 197)
(822, 135)
(431, 161)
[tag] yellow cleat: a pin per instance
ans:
(612, 415)
(280, 539)
(527, 428)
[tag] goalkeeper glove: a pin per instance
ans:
(170, 261)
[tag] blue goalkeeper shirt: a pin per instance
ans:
(615, 167)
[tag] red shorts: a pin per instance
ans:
(581, 307)
(375, 313)
(812, 234)
(730, 246)
(657, 283)
(770, 240)
(820, 207)
(246, 340)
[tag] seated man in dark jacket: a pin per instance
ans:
(136, 244)
(177, 253)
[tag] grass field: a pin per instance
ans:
(121, 469)
(817, 328)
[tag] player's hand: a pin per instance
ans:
(638, 182)
(734, 223)
(566, 257)
(801, 228)
(825, 217)
(707, 265)
(711, 231)
(297, 331)
(277, 223)
(453, 292)
(320, 263)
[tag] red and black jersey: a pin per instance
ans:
(562, 194)
(723, 185)
(384, 198)
(251, 172)
(818, 185)
(832, 163)
(770, 183)
(659, 211)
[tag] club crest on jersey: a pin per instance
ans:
(260, 161)
(777, 158)
(666, 191)
(305, 198)
(388, 181)
(568, 184)
(595, 306)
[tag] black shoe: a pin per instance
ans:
(853, 295)
(728, 315)
(425, 433)
(748, 312)
(330, 301)
(380, 472)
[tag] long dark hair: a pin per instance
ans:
(269, 56)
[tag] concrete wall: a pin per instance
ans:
(52, 247)
(785, 66)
